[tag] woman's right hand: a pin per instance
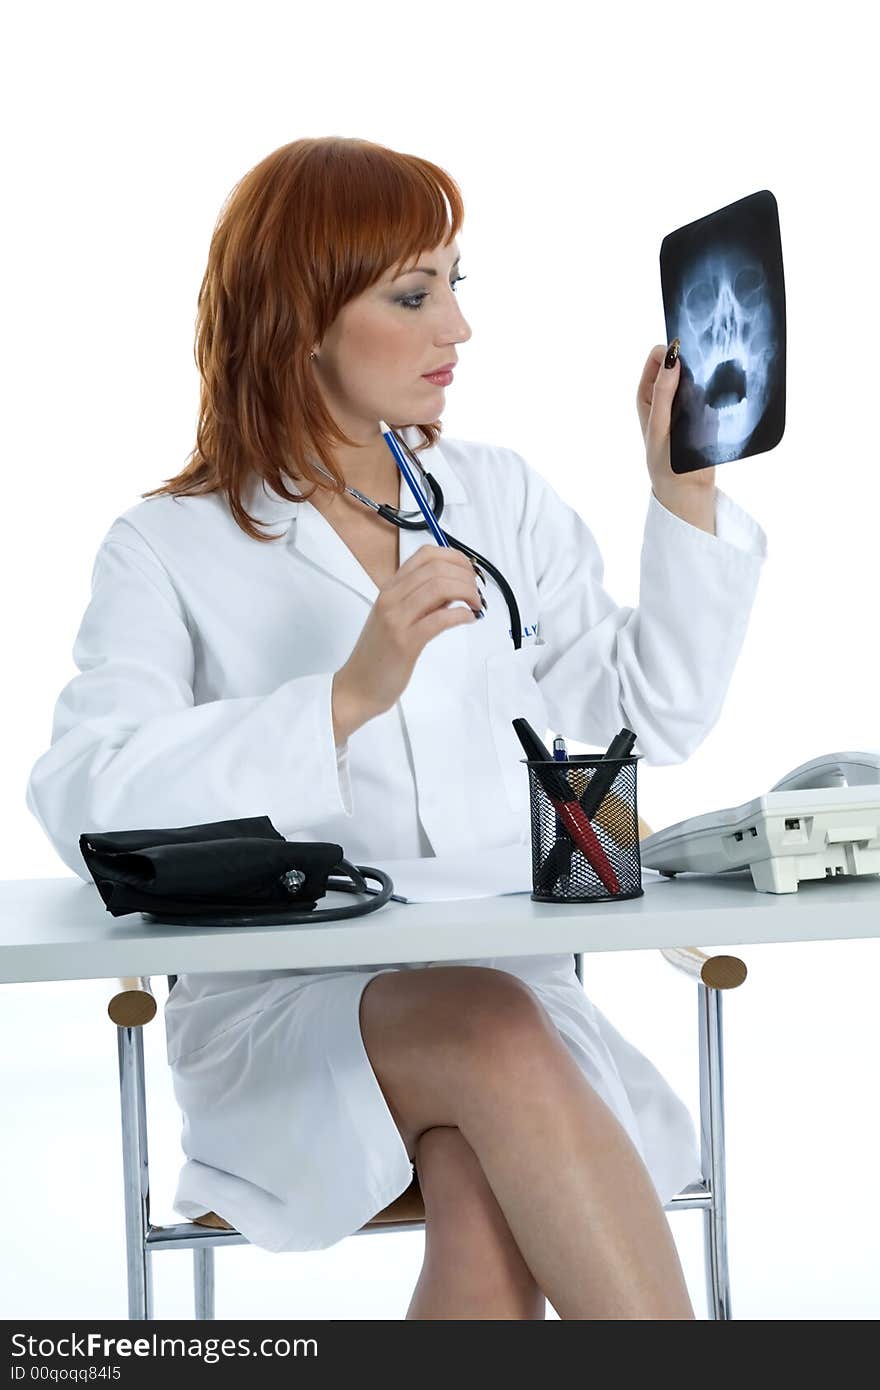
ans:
(409, 610)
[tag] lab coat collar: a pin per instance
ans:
(309, 532)
(271, 509)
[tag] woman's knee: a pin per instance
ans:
(472, 1013)
(437, 1036)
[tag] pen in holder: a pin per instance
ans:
(583, 852)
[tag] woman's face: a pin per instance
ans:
(372, 361)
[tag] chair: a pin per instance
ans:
(134, 1005)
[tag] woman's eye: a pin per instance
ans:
(414, 301)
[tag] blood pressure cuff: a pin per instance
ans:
(224, 865)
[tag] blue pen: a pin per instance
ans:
(560, 754)
(406, 469)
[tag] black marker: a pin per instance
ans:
(600, 782)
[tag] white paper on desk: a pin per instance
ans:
(485, 873)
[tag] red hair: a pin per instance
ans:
(312, 226)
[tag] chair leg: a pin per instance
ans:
(711, 1145)
(712, 1151)
(203, 1278)
(135, 1171)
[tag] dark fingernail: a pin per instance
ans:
(672, 353)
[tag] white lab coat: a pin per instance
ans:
(204, 692)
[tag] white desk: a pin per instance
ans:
(59, 928)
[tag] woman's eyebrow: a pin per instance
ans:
(425, 270)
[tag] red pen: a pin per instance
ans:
(572, 816)
(566, 805)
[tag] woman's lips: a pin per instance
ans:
(438, 378)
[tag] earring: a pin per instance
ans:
(311, 355)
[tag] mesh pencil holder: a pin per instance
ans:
(607, 864)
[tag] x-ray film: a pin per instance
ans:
(724, 299)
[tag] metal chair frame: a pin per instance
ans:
(134, 1005)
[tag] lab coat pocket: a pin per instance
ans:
(513, 693)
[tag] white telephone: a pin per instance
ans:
(820, 820)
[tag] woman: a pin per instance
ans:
(332, 675)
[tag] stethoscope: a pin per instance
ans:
(402, 522)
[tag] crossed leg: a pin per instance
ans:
(472, 1267)
(471, 1048)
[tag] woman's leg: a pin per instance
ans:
(472, 1047)
(472, 1267)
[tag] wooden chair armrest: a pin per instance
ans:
(134, 1003)
(718, 972)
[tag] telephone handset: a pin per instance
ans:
(833, 770)
(821, 820)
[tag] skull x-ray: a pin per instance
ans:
(724, 299)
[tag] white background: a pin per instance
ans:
(579, 138)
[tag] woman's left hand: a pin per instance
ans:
(654, 398)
